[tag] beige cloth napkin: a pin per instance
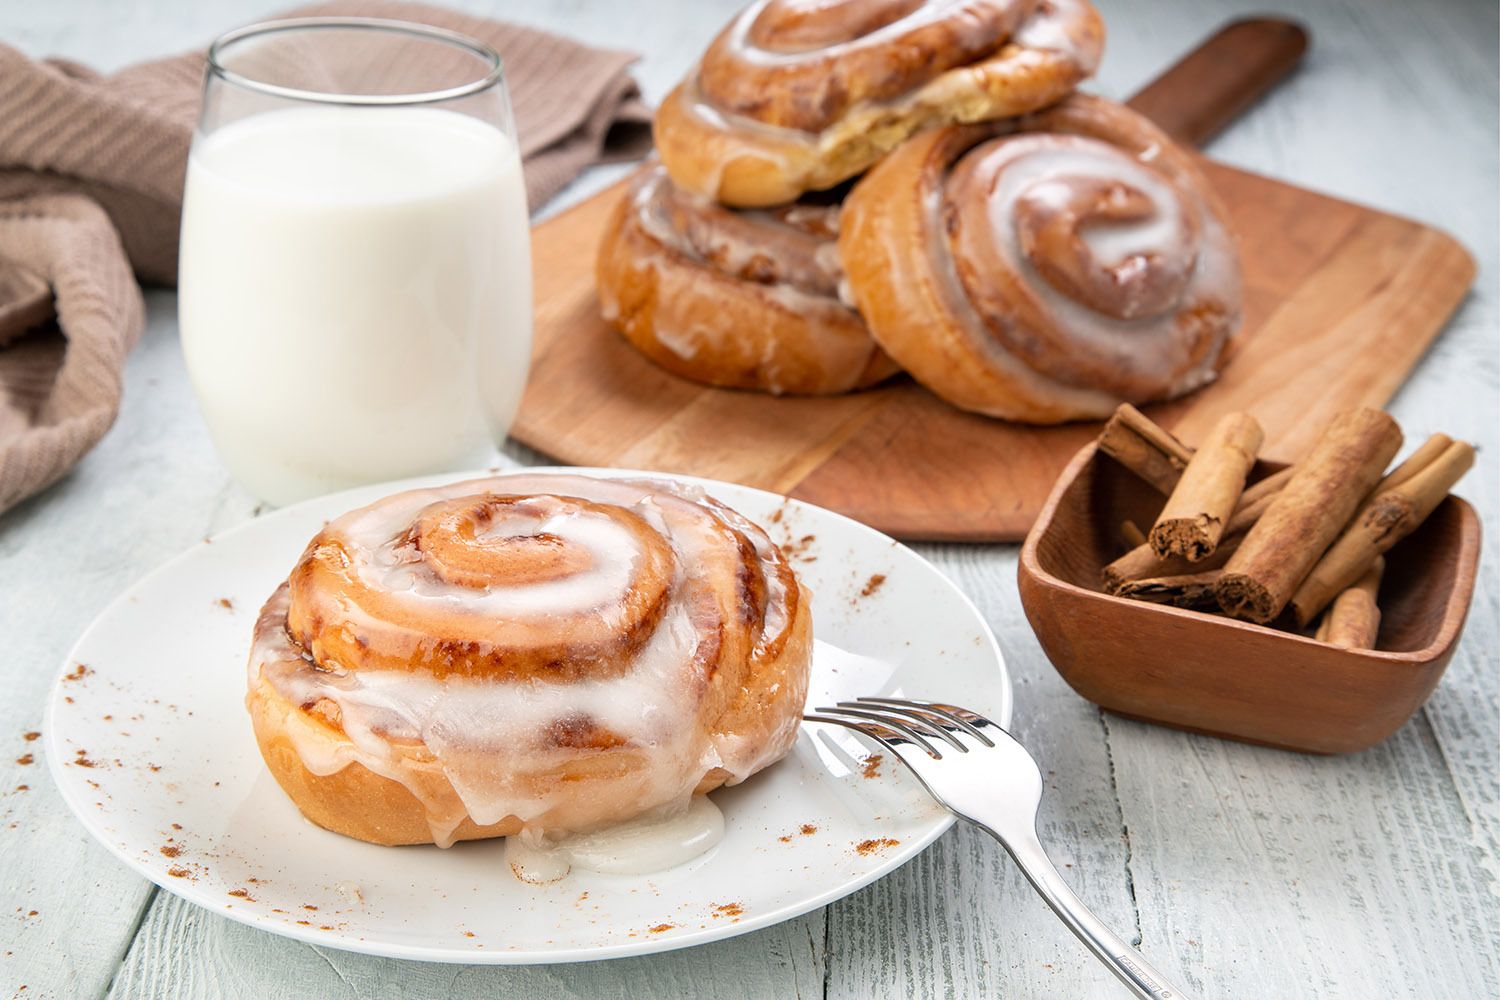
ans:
(91, 175)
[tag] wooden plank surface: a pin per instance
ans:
(1341, 301)
(1258, 873)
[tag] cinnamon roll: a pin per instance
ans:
(532, 652)
(1046, 268)
(798, 95)
(745, 300)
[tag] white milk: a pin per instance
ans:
(355, 294)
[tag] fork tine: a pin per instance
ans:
(969, 721)
(906, 722)
(888, 715)
(958, 711)
(861, 721)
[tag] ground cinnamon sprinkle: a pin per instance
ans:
(241, 893)
(808, 829)
(25, 758)
(868, 847)
(225, 603)
(798, 548)
(28, 737)
(179, 873)
(171, 850)
(728, 910)
(872, 765)
(76, 673)
(661, 927)
(872, 584)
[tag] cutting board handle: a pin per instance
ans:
(1218, 80)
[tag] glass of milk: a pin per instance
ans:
(355, 266)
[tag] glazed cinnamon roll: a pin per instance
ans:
(740, 299)
(798, 95)
(1046, 268)
(547, 653)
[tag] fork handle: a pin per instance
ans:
(1124, 961)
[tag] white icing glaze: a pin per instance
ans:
(1075, 399)
(485, 732)
(1050, 28)
(386, 565)
(778, 370)
(661, 839)
(889, 34)
(800, 259)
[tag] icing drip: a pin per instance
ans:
(1050, 28)
(661, 839)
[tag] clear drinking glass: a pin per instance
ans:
(355, 266)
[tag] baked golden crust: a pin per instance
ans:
(475, 735)
(738, 300)
(1046, 268)
(776, 109)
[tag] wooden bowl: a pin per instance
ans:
(1215, 675)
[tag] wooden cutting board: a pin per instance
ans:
(1340, 303)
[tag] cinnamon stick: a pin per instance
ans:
(1184, 590)
(1353, 620)
(1389, 516)
(1264, 488)
(1142, 563)
(1131, 533)
(1414, 463)
(1307, 515)
(1193, 519)
(1133, 440)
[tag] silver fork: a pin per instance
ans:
(982, 774)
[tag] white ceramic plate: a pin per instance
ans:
(149, 741)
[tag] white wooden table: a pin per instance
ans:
(1256, 873)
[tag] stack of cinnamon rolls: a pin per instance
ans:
(849, 189)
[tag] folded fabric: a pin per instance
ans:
(91, 174)
(58, 398)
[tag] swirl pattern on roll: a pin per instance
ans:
(798, 95)
(740, 299)
(1047, 268)
(532, 652)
